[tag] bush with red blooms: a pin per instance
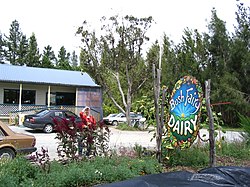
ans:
(94, 138)
(41, 159)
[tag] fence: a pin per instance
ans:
(12, 112)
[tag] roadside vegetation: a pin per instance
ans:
(127, 164)
(105, 165)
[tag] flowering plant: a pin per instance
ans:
(94, 138)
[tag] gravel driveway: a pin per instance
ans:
(117, 138)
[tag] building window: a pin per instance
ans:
(11, 96)
(62, 98)
(28, 97)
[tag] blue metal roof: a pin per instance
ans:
(24, 74)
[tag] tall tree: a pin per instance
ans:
(33, 56)
(191, 55)
(23, 51)
(239, 65)
(218, 47)
(115, 58)
(169, 63)
(74, 60)
(225, 82)
(63, 59)
(15, 44)
(240, 49)
(1, 49)
(48, 57)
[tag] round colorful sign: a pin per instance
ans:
(184, 114)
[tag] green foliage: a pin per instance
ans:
(16, 45)
(108, 106)
(245, 124)
(100, 170)
(9, 180)
(1, 49)
(194, 156)
(84, 173)
(198, 156)
(115, 58)
(63, 59)
(19, 170)
(217, 116)
(236, 150)
(145, 106)
(33, 55)
(48, 57)
(126, 127)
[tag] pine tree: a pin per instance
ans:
(63, 59)
(1, 49)
(33, 56)
(74, 60)
(22, 51)
(15, 45)
(48, 57)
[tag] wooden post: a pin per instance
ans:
(211, 125)
(157, 118)
(157, 112)
(162, 121)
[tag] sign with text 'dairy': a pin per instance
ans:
(184, 115)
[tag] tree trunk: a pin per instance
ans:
(211, 125)
(128, 109)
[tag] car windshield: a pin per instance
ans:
(112, 115)
(42, 113)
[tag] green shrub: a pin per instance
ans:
(100, 170)
(8, 180)
(20, 169)
(245, 124)
(193, 156)
(237, 150)
(91, 172)
(125, 127)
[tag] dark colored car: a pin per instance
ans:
(43, 120)
(12, 143)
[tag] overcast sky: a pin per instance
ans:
(54, 22)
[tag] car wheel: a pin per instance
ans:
(115, 123)
(48, 128)
(7, 153)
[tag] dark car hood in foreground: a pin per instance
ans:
(226, 176)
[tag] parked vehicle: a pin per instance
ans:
(12, 143)
(43, 120)
(121, 118)
(106, 119)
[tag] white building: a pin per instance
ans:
(28, 89)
